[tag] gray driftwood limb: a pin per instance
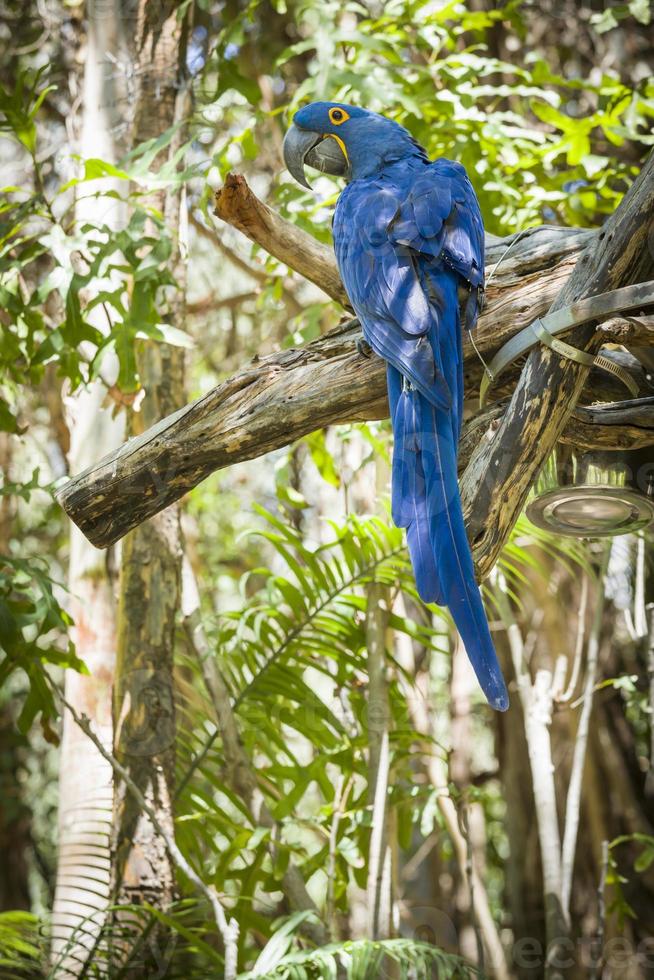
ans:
(268, 405)
(497, 480)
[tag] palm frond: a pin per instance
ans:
(22, 949)
(363, 959)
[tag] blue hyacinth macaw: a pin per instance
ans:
(409, 237)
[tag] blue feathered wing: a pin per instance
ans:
(405, 244)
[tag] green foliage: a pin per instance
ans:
(293, 657)
(134, 940)
(295, 643)
(53, 275)
(141, 941)
(33, 634)
(124, 271)
(538, 146)
(364, 960)
(642, 850)
(309, 613)
(19, 107)
(21, 948)
(186, 955)
(609, 18)
(322, 458)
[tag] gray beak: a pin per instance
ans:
(302, 147)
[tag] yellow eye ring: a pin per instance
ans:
(338, 116)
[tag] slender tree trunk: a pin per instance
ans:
(85, 781)
(151, 566)
(379, 887)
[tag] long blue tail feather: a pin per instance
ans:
(409, 506)
(452, 553)
(425, 500)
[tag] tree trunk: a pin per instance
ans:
(144, 712)
(85, 781)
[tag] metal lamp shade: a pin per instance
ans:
(594, 494)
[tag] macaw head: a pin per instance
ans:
(345, 141)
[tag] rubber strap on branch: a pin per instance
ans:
(596, 307)
(583, 357)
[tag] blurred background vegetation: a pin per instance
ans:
(305, 698)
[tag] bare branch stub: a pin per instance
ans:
(239, 207)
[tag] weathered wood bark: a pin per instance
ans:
(617, 425)
(150, 584)
(496, 483)
(144, 705)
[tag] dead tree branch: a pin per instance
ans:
(270, 404)
(284, 396)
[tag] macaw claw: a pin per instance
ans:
(363, 348)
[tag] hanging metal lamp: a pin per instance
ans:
(594, 494)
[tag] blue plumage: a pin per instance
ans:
(408, 234)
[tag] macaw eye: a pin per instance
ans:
(338, 116)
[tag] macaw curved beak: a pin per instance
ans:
(303, 147)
